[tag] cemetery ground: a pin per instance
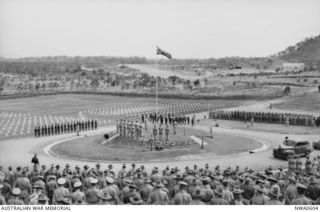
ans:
(18, 117)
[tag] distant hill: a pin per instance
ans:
(307, 51)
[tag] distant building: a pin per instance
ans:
(121, 66)
(292, 67)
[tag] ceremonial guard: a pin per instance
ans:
(251, 121)
(145, 124)
(124, 128)
(92, 124)
(120, 127)
(117, 126)
(165, 119)
(36, 132)
(174, 127)
(49, 130)
(140, 130)
(167, 132)
(160, 132)
(137, 130)
(95, 124)
(128, 129)
(61, 128)
(132, 129)
(77, 130)
(287, 121)
(155, 132)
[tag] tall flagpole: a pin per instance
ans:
(157, 82)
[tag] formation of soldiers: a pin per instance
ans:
(160, 122)
(195, 185)
(267, 117)
(128, 129)
(168, 118)
(63, 128)
(160, 131)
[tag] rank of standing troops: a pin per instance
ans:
(267, 117)
(63, 128)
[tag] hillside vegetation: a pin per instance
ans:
(307, 51)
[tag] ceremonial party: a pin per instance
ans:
(106, 104)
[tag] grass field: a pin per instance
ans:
(89, 148)
(306, 102)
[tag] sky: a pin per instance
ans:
(185, 28)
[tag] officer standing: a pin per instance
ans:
(167, 132)
(160, 132)
(155, 132)
(145, 124)
(35, 131)
(251, 121)
(92, 124)
(140, 130)
(117, 124)
(124, 127)
(132, 128)
(120, 127)
(137, 130)
(174, 127)
(52, 129)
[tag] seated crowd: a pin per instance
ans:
(137, 186)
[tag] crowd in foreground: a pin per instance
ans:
(137, 186)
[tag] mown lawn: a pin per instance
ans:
(132, 150)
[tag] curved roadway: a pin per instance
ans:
(18, 152)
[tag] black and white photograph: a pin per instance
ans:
(159, 102)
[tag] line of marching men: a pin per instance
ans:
(63, 128)
(136, 186)
(267, 117)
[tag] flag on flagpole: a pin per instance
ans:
(164, 53)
